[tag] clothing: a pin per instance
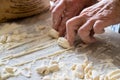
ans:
(115, 28)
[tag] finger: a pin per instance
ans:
(71, 26)
(86, 33)
(57, 14)
(62, 27)
(100, 25)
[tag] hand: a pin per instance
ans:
(66, 9)
(93, 20)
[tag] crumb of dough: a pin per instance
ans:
(39, 28)
(3, 38)
(9, 39)
(54, 68)
(53, 62)
(12, 38)
(43, 70)
(73, 67)
(53, 33)
(63, 42)
(10, 69)
(16, 37)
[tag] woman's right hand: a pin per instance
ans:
(66, 9)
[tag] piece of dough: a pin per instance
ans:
(73, 67)
(114, 72)
(79, 71)
(3, 38)
(54, 67)
(63, 42)
(53, 33)
(39, 28)
(10, 69)
(53, 62)
(9, 39)
(114, 75)
(88, 67)
(85, 63)
(43, 70)
(95, 75)
(16, 37)
(6, 76)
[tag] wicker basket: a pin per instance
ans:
(12, 9)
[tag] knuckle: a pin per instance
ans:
(96, 28)
(81, 31)
(91, 20)
(68, 23)
(53, 12)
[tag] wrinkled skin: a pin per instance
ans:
(93, 20)
(66, 9)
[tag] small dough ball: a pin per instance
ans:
(43, 70)
(3, 38)
(53, 33)
(11, 70)
(63, 42)
(54, 67)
